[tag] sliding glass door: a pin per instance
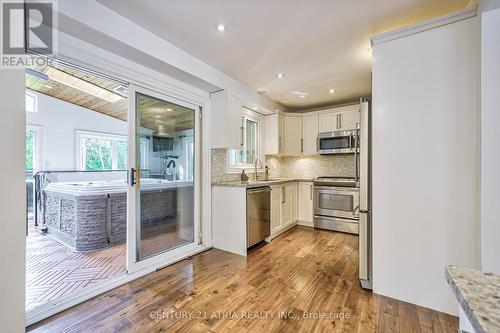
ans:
(163, 181)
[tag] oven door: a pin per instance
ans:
(336, 143)
(336, 202)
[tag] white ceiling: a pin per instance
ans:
(318, 44)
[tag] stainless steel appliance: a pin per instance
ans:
(338, 142)
(258, 215)
(336, 204)
(365, 214)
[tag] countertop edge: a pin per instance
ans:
(463, 303)
(235, 183)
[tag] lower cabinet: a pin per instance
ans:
(305, 203)
(283, 207)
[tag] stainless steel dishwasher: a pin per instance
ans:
(258, 215)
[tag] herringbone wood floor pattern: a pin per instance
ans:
(53, 270)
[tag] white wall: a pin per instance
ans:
(490, 141)
(60, 121)
(425, 173)
(12, 201)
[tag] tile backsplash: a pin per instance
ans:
(289, 166)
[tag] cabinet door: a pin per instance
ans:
(292, 189)
(349, 120)
(285, 206)
(275, 208)
(293, 135)
(226, 112)
(327, 122)
(310, 134)
(305, 202)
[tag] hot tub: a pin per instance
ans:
(92, 215)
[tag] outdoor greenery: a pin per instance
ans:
(30, 140)
(99, 154)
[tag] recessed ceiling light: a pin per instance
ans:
(332, 91)
(169, 109)
(221, 27)
(261, 91)
(280, 75)
(47, 86)
(300, 94)
(255, 108)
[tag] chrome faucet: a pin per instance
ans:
(260, 163)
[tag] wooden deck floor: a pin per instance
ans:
(53, 270)
(302, 272)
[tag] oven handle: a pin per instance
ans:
(336, 189)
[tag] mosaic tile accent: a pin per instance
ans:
(289, 166)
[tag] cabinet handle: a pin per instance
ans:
(241, 136)
(311, 192)
(301, 145)
(283, 195)
(317, 144)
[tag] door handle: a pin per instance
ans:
(132, 176)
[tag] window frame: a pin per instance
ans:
(114, 138)
(37, 147)
(34, 96)
(259, 119)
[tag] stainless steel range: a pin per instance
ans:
(336, 204)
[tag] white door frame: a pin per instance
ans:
(90, 57)
(133, 208)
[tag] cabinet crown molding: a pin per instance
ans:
(423, 26)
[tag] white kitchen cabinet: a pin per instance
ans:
(276, 208)
(226, 111)
(292, 135)
(310, 134)
(327, 122)
(349, 120)
(289, 204)
(305, 203)
(273, 134)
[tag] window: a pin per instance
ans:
(31, 101)
(101, 151)
(249, 152)
(33, 149)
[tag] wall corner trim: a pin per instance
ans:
(423, 26)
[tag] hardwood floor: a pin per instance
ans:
(302, 273)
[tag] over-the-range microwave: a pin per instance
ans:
(338, 142)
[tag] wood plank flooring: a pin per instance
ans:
(277, 288)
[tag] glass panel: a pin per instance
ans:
(251, 141)
(97, 154)
(335, 143)
(166, 191)
(335, 202)
(121, 155)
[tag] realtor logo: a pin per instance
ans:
(27, 28)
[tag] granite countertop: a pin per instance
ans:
(257, 183)
(479, 296)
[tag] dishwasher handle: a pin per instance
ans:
(258, 190)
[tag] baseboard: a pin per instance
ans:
(306, 224)
(280, 231)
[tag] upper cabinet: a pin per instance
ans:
(328, 122)
(226, 111)
(293, 143)
(349, 119)
(297, 133)
(337, 120)
(309, 134)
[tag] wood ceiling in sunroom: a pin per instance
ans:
(153, 112)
